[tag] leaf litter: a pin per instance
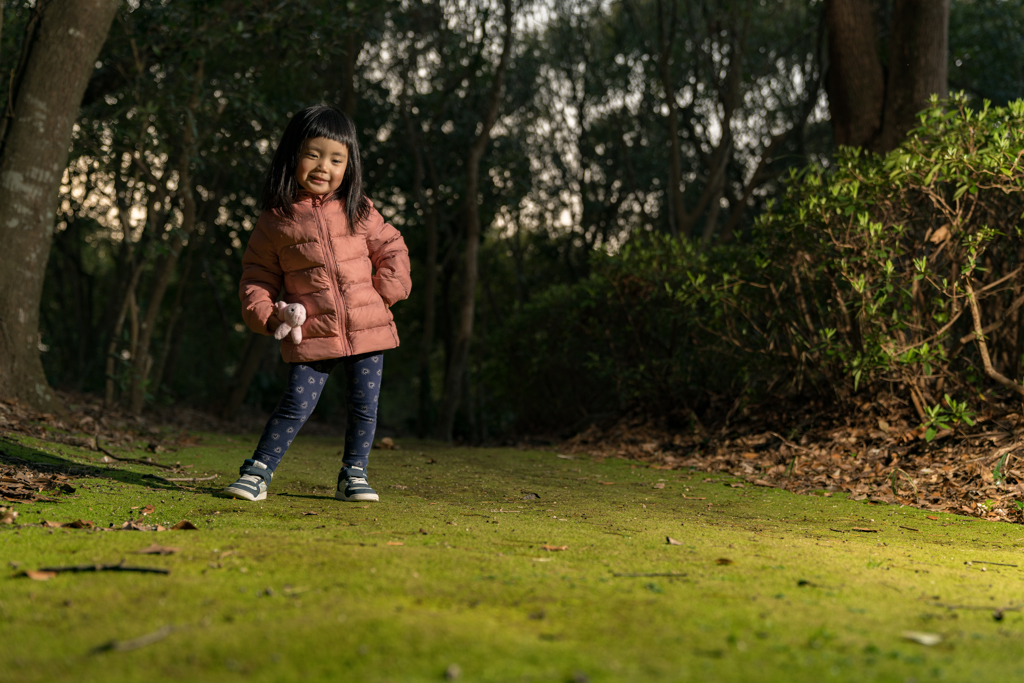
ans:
(875, 452)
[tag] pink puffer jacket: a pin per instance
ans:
(346, 279)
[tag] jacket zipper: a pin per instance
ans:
(325, 236)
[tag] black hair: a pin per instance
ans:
(319, 121)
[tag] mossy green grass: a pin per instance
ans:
(448, 576)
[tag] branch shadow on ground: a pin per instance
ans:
(19, 455)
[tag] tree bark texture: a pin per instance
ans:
(34, 156)
(871, 106)
(855, 81)
(459, 358)
(918, 65)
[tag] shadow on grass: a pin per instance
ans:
(20, 455)
(312, 496)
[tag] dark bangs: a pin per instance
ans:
(319, 121)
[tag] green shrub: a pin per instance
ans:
(632, 335)
(879, 273)
(860, 278)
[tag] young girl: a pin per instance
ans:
(321, 244)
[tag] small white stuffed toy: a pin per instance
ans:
(293, 316)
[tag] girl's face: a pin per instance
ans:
(322, 164)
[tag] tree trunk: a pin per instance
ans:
(33, 157)
(142, 360)
(27, 41)
(855, 81)
(871, 107)
(918, 64)
(255, 349)
(467, 300)
(348, 95)
(666, 36)
(424, 413)
(170, 333)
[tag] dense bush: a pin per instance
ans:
(900, 273)
(637, 333)
(903, 272)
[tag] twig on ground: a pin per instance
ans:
(979, 608)
(138, 461)
(135, 643)
(119, 567)
(172, 479)
(649, 574)
(789, 443)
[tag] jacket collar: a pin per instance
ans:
(315, 199)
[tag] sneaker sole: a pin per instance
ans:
(357, 498)
(243, 495)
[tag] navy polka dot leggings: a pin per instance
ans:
(305, 386)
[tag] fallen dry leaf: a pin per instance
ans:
(931, 518)
(724, 560)
(606, 483)
(310, 512)
(79, 524)
(148, 510)
(40, 576)
(52, 525)
(395, 543)
(672, 541)
(8, 516)
(554, 547)
(659, 485)
(157, 549)
(923, 637)
(184, 525)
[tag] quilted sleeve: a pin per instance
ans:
(261, 281)
(392, 273)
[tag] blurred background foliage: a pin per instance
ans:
(783, 266)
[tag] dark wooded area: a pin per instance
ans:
(527, 151)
